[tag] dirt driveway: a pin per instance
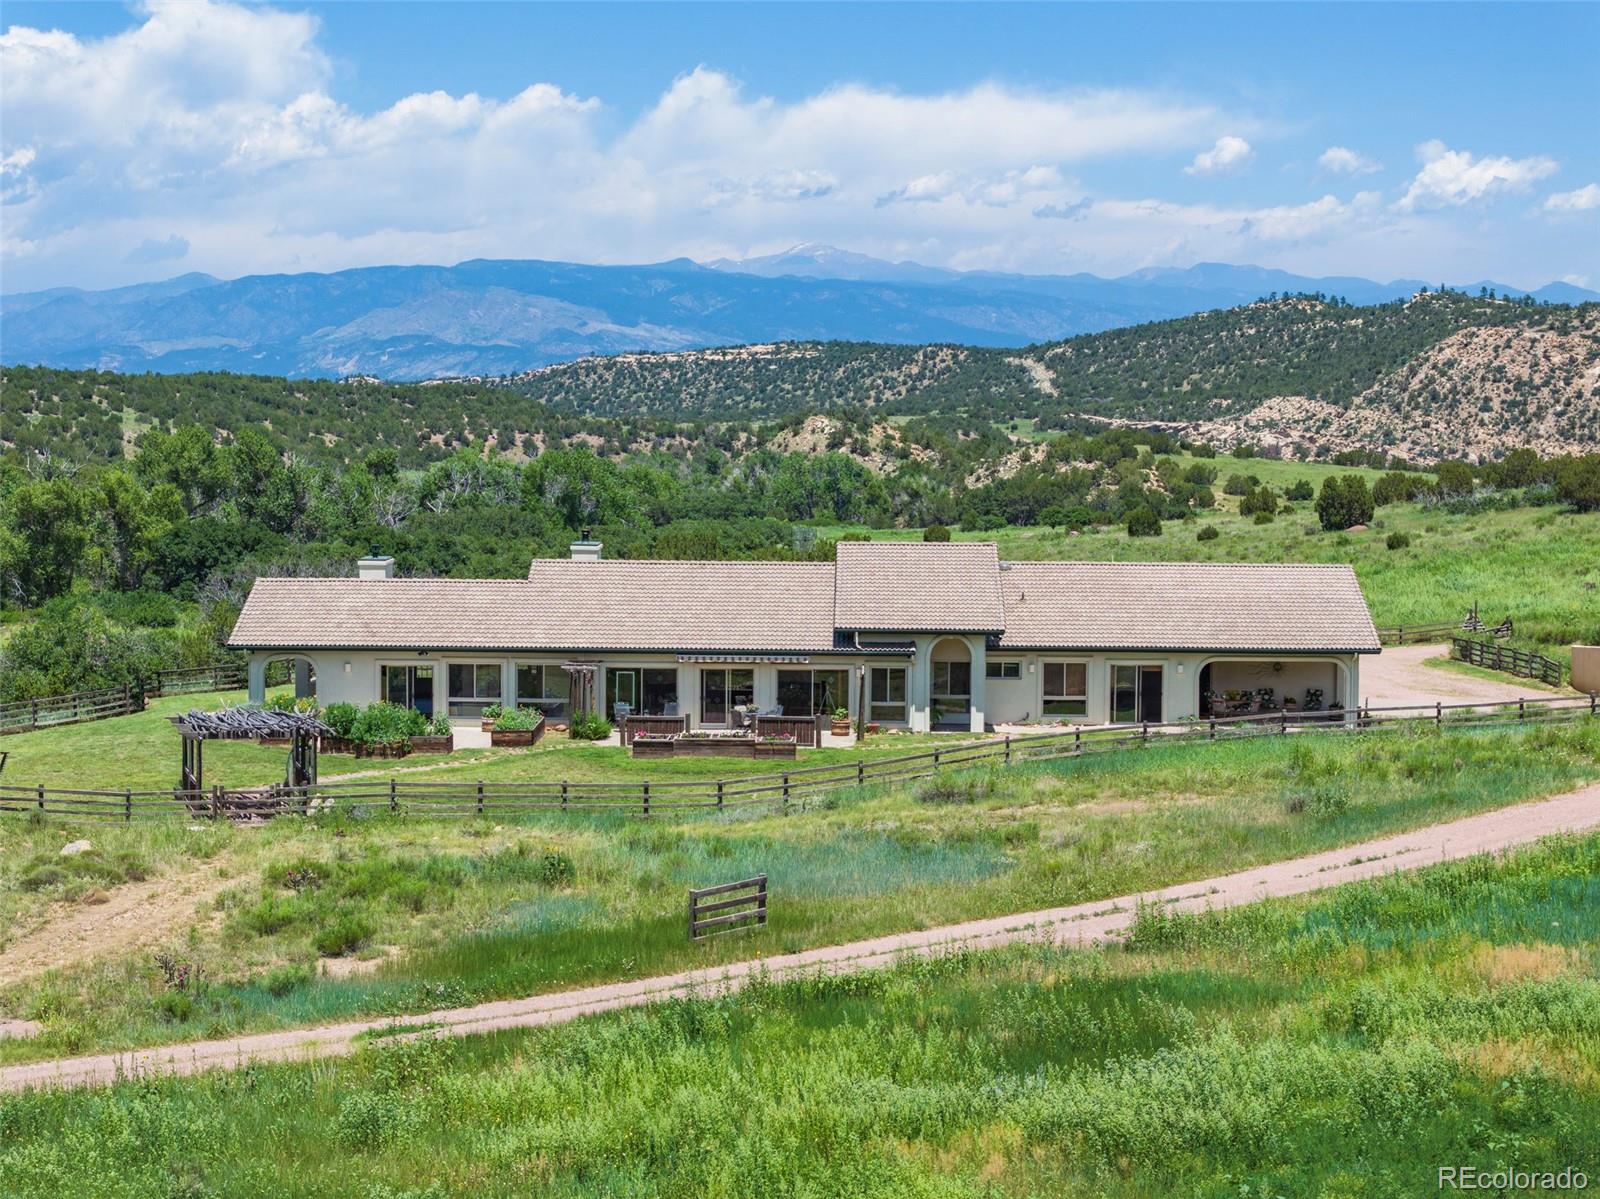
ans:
(1399, 675)
(1076, 925)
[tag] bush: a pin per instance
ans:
(556, 869)
(589, 726)
(1301, 490)
(280, 981)
(1258, 500)
(1344, 501)
(1239, 484)
(384, 723)
(341, 718)
(1264, 518)
(1208, 533)
(345, 935)
(1395, 487)
(936, 533)
(1578, 483)
(1143, 522)
(1397, 541)
(439, 726)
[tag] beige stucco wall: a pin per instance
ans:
(1586, 668)
(352, 677)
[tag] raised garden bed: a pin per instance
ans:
(391, 749)
(711, 745)
(434, 745)
(653, 747)
(714, 747)
(775, 749)
(501, 736)
(336, 745)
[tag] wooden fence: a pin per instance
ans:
(75, 707)
(744, 907)
(79, 706)
(426, 798)
(1417, 634)
(1502, 657)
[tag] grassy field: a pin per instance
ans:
(1343, 1045)
(451, 912)
(1540, 566)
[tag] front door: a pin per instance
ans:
(622, 687)
(1135, 694)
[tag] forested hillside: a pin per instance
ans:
(1441, 376)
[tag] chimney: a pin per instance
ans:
(586, 549)
(375, 566)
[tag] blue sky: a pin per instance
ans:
(1436, 141)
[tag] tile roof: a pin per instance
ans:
(914, 586)
(1185, 606)
(815, 607)
(562, 605)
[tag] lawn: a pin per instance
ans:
(456, 911)
(1346, 1044)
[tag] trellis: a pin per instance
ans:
(234, 724)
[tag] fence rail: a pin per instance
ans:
(460, 797)
(22, 716)
(1505, 658)
(1418, 634)
(728, 908)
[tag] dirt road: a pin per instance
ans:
(1398, 676)
(1078, 924)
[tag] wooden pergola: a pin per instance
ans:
(238, 724)
(585, 697)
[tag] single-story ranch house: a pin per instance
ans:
(925, 636)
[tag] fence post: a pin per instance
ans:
(394, 794)
(1522, 708)
(1213, 726)
(563, 793)
(647, 797)
(1438, 714)
(719, 793)
(480, 797)
(41, 797)
(1077, 740)
(216, 801)
(1283, 723)
(1008, 749)
(127, 806)
(786, 788)
(936, 759)
(1144, 734)
(861, 773)
(33, 714)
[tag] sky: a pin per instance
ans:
(1434, 141)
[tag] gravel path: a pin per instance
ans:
(1076, 925)
(1399, 676)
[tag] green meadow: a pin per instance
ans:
(1346, 1044)
(360, 912)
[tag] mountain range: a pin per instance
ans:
(490, 317)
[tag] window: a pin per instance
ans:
(1066, 689)
(408, 686)
(473, 687)
(952, 678)
(808, 692)
(1002, 670)
(888, 694)
(543, 687)
(721, 691)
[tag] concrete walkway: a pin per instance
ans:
(1400, 675)
(1078, 924)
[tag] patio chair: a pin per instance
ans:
(670, 709)
(621, 711)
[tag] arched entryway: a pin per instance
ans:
(950, 685)
(278, 670)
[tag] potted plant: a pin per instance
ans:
(491, 713)
(437, 738)
(517, 727)
(839, 722)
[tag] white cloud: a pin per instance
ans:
(999, 191)
(1229, 154)
(1451, 178)
(1341, 160)
(1584, 199)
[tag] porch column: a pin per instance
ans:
(979, 648)
(688, 698)
(256, 678)
(919, 684)
(302, 678)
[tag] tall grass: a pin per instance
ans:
(1213, 1058)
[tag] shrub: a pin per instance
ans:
(346, 934)
(1143, 522)
(384, 723)
(1578, 483)
(1208, 533)
(556, 869)
(369, 1120)
(1258, 500)
(936, 533)
(1264, 518)
(281, 980)
(1344, 501)
(589, 726)
(1301, 490)
(1239, 484)
(439, 726)
(341, 718)
(1395, 487)
(493, 712)
(1397, 541)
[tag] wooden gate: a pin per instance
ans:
(745, 907)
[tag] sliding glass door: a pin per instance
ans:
(721, 691)
(1135, 694)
